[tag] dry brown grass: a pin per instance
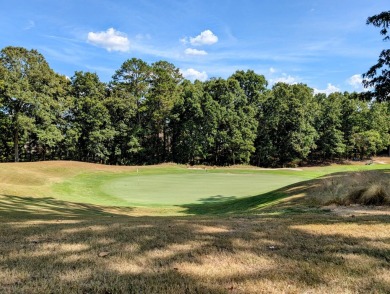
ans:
(382, 160)
(365, 188)
(49, 246)
(52, 246)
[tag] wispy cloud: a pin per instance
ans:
(68, 55)
(191, 51)
(111, 40)
(30, 25)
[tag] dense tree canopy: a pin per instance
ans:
(149, 114)
(286, 131)
(378, 76)
(31, 101)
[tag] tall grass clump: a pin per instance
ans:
(365, 188)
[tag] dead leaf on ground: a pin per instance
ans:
(103, 254)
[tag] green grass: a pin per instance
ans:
(210, 190)
(170, 189)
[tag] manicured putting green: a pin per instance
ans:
(176, 188)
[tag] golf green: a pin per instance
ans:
(172, 188)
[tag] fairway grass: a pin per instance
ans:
(170, 189)
(269, 242)
(196, 190)
(165, 188)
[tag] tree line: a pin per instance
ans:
(149, 114)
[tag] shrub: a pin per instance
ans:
(375, 194)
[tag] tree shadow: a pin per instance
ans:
(232, 205)
(217, 199)
(289, 199)
(47, 207)
(52, 246)
(196, 254)
(237, 205)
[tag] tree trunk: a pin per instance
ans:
(16, 144)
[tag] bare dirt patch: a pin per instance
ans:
(382, 160)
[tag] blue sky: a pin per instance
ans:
(324, 44)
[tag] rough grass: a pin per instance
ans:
(269, 243)
(364, 187)
(50, 246)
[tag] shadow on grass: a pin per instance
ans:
(232, 254)
(47, 207)
(220, 205)
(293, 198)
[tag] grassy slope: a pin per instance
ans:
(157, 188)
(81, 182)
(53, 246)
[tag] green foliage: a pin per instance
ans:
(328, 122)
(31, 97)
(193, 124)
(286, 125)
(368, 143)
(148, 114)
(162, 95)
(254, 85)
(89, 118)
(378, 76)
(235, 123)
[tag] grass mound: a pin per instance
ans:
(364, 187)
(375, 194)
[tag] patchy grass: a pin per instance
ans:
(72, 248)
(268, 243)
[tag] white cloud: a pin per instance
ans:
(191, 51)
(111, 40)
(193, 74)
(206, 37)
(285, 79)
(355, 81)
(272, 70)
(329, 89)
(184, 40)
